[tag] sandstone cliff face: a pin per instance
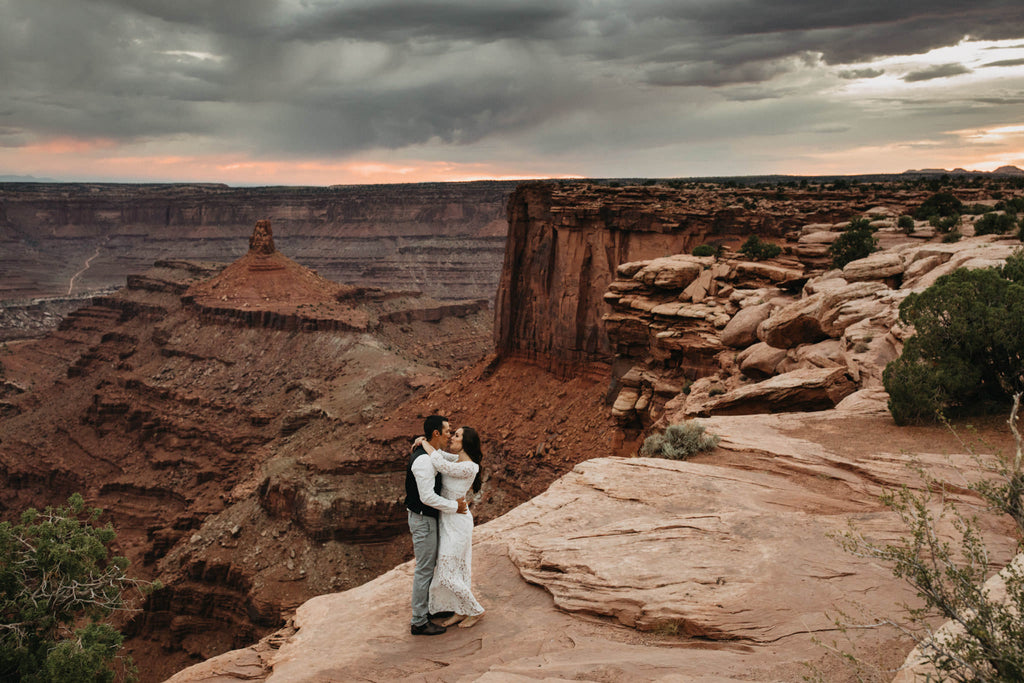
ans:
(444, 239)
(566, 242)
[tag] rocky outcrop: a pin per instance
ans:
(740, 337)
(566, 242)
(722, 569)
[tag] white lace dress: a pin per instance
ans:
(450, 590)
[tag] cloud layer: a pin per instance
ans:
(588, 87)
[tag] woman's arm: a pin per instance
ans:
(445, 463)
(421, 441)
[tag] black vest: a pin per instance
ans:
(412, 494)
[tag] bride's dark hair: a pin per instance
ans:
(471, 444)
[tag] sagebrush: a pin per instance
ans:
(949, 578)
(679, 441)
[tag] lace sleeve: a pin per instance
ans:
(459, 470)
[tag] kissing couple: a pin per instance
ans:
(436, 484)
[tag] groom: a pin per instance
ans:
(422, 485)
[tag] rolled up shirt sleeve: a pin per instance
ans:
(423, 471)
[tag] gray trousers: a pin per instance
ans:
(424, 547)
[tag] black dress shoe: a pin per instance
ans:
(428, 628)
(439, 615)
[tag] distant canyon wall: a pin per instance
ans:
(444, 239)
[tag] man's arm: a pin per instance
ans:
(424, 474)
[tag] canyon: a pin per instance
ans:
(244, 426)
(66, 240)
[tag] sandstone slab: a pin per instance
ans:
(741, 331)
(794, 324)
(760, 360)
(877, 266)
(805, 389)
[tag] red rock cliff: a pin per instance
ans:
(566, 240)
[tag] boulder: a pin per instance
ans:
(816, 244)
(742, 328)
(670, 272)
(811, 228)
(843, 306)
(977, 252)
(877, 266)
(760, 360)
(799, 390)
(698, 288)
(795, 324)
(824, 354)
(825, 282)
(624, 407)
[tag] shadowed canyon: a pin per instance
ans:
(241, 403)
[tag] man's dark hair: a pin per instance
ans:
(434, 423)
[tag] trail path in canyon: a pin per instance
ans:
(85, 267)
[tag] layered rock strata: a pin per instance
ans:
(180, 404)
(566, 242)
(249, 464)
(444, 239)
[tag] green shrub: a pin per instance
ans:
(944, 223)
(57, 581)
(905, 223)
(966, 349)
(757, 249)
(855, 243)
(704, 250)
(859, 223)
(993, 224)
(940, 204)
(953, 236)
(680, 441)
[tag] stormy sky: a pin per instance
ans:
(325, 92)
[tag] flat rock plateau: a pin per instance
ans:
(244, 422)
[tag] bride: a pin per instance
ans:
(450, 590)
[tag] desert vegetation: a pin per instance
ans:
(985, 637)
(856, 242)
(758, 250)
(679, 441)
(58, 582)
(967, 352)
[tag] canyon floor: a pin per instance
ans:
(721, 568)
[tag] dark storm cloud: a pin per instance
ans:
(1006, 62)
(334, 77)
(854, 74)
(937, 71)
